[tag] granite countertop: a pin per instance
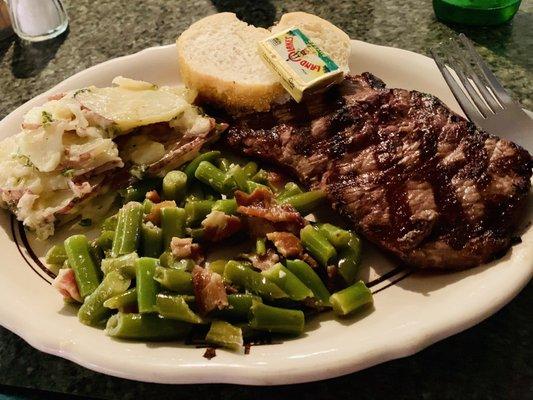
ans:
(489, 361)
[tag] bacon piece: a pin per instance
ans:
(30, 126)
(153, 196)
(85, 175)
(57, 96)
(209, 290)
(12, 196)
(264, 261)
(218, 225)
(260, 204)
(80, 189)
(185, 248)
(154, 216)
(309, 260)
(286, 243)
(65, 283)
(276, 180)
(259, 197)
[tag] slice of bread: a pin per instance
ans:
(218, 56)
(334, 41)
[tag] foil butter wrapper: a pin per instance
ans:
(301, 65)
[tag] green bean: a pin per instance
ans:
(97, 253)
(174, 279)
(260, 246)
(224, 164)
(110, 223)
(190, 169)
(306, 202)
(123, 301)
(290, 189)
(105, 240)
(288, 282)
(310, 279)
(238, 307)
(336, 236)
(124, 264)
(350, 259)
(175, 307)
(137, 191)
(250, 169)
(92, 312)
(251, 185)
(227, 206)
(196, 233)
(185, 264)
(56, 255)
(260, 177)
(147, 286)
(146, 327)
(217, 266)
(317, 245)
(196, 211)
(224, 334)
(350, 299)
(276, 319)
(168, 260)
(80, 260)
(128, 232)
(240, 177)
(252, 281)
(152, 240)
(147, 206)
(174, 185)
(214, 177)
(189, 298)
(172, 224)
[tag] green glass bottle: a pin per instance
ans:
(476, 12)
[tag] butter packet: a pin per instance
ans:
(301, 65)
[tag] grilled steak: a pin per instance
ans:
(412, 176)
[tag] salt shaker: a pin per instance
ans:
(37, 20)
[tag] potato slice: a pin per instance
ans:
(130, 108)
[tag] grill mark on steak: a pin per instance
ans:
(415, 178)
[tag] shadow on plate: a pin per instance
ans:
(69, 310)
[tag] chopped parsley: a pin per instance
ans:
(24, 160)
(113, 130)
(46, 118)
(77, 92)
(68, 172)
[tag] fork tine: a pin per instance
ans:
(465, 103)
(485, 93)
(461, 54)
(456, 63)
(494, 85)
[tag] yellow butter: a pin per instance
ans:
(301, 66)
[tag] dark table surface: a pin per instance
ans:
(489, 361)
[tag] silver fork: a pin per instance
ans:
(481, 96)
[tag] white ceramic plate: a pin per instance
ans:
(409, 315)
